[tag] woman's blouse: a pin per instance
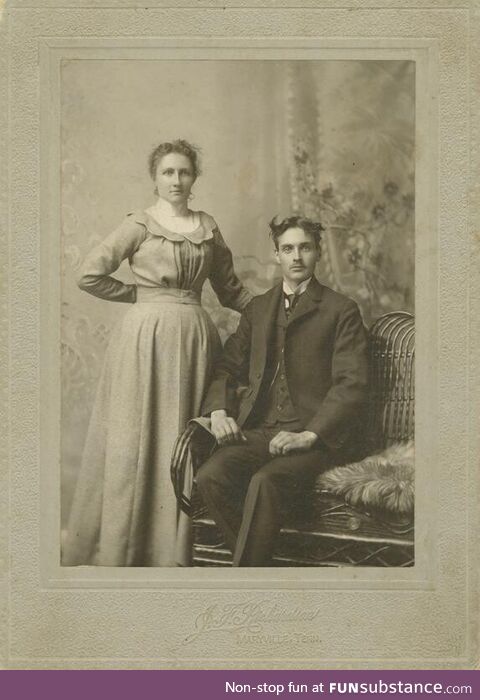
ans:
(162, 258)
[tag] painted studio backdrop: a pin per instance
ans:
(330, 139)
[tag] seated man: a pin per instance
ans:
(297, 368)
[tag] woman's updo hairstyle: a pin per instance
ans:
(178, 146)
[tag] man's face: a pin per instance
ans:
(297, 255)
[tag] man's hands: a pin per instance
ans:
(283, 443)
(227, 432)
(225, 429)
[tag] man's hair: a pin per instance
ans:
(311, 228)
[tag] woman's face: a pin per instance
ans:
(174, 178)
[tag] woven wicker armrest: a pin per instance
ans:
(191, 449)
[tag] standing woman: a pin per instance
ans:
(156, 368)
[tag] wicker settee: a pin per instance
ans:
(330, 532)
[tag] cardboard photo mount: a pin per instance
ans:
(425, 616)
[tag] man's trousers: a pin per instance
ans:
(247, 491)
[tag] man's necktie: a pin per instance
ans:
(290, 302)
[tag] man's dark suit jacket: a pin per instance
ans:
(325, 363)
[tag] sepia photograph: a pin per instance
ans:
(237, 313)
(239, 337)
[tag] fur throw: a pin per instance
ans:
(382, 482)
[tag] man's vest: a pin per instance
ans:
(277, 408)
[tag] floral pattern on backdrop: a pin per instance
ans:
(356, 175)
